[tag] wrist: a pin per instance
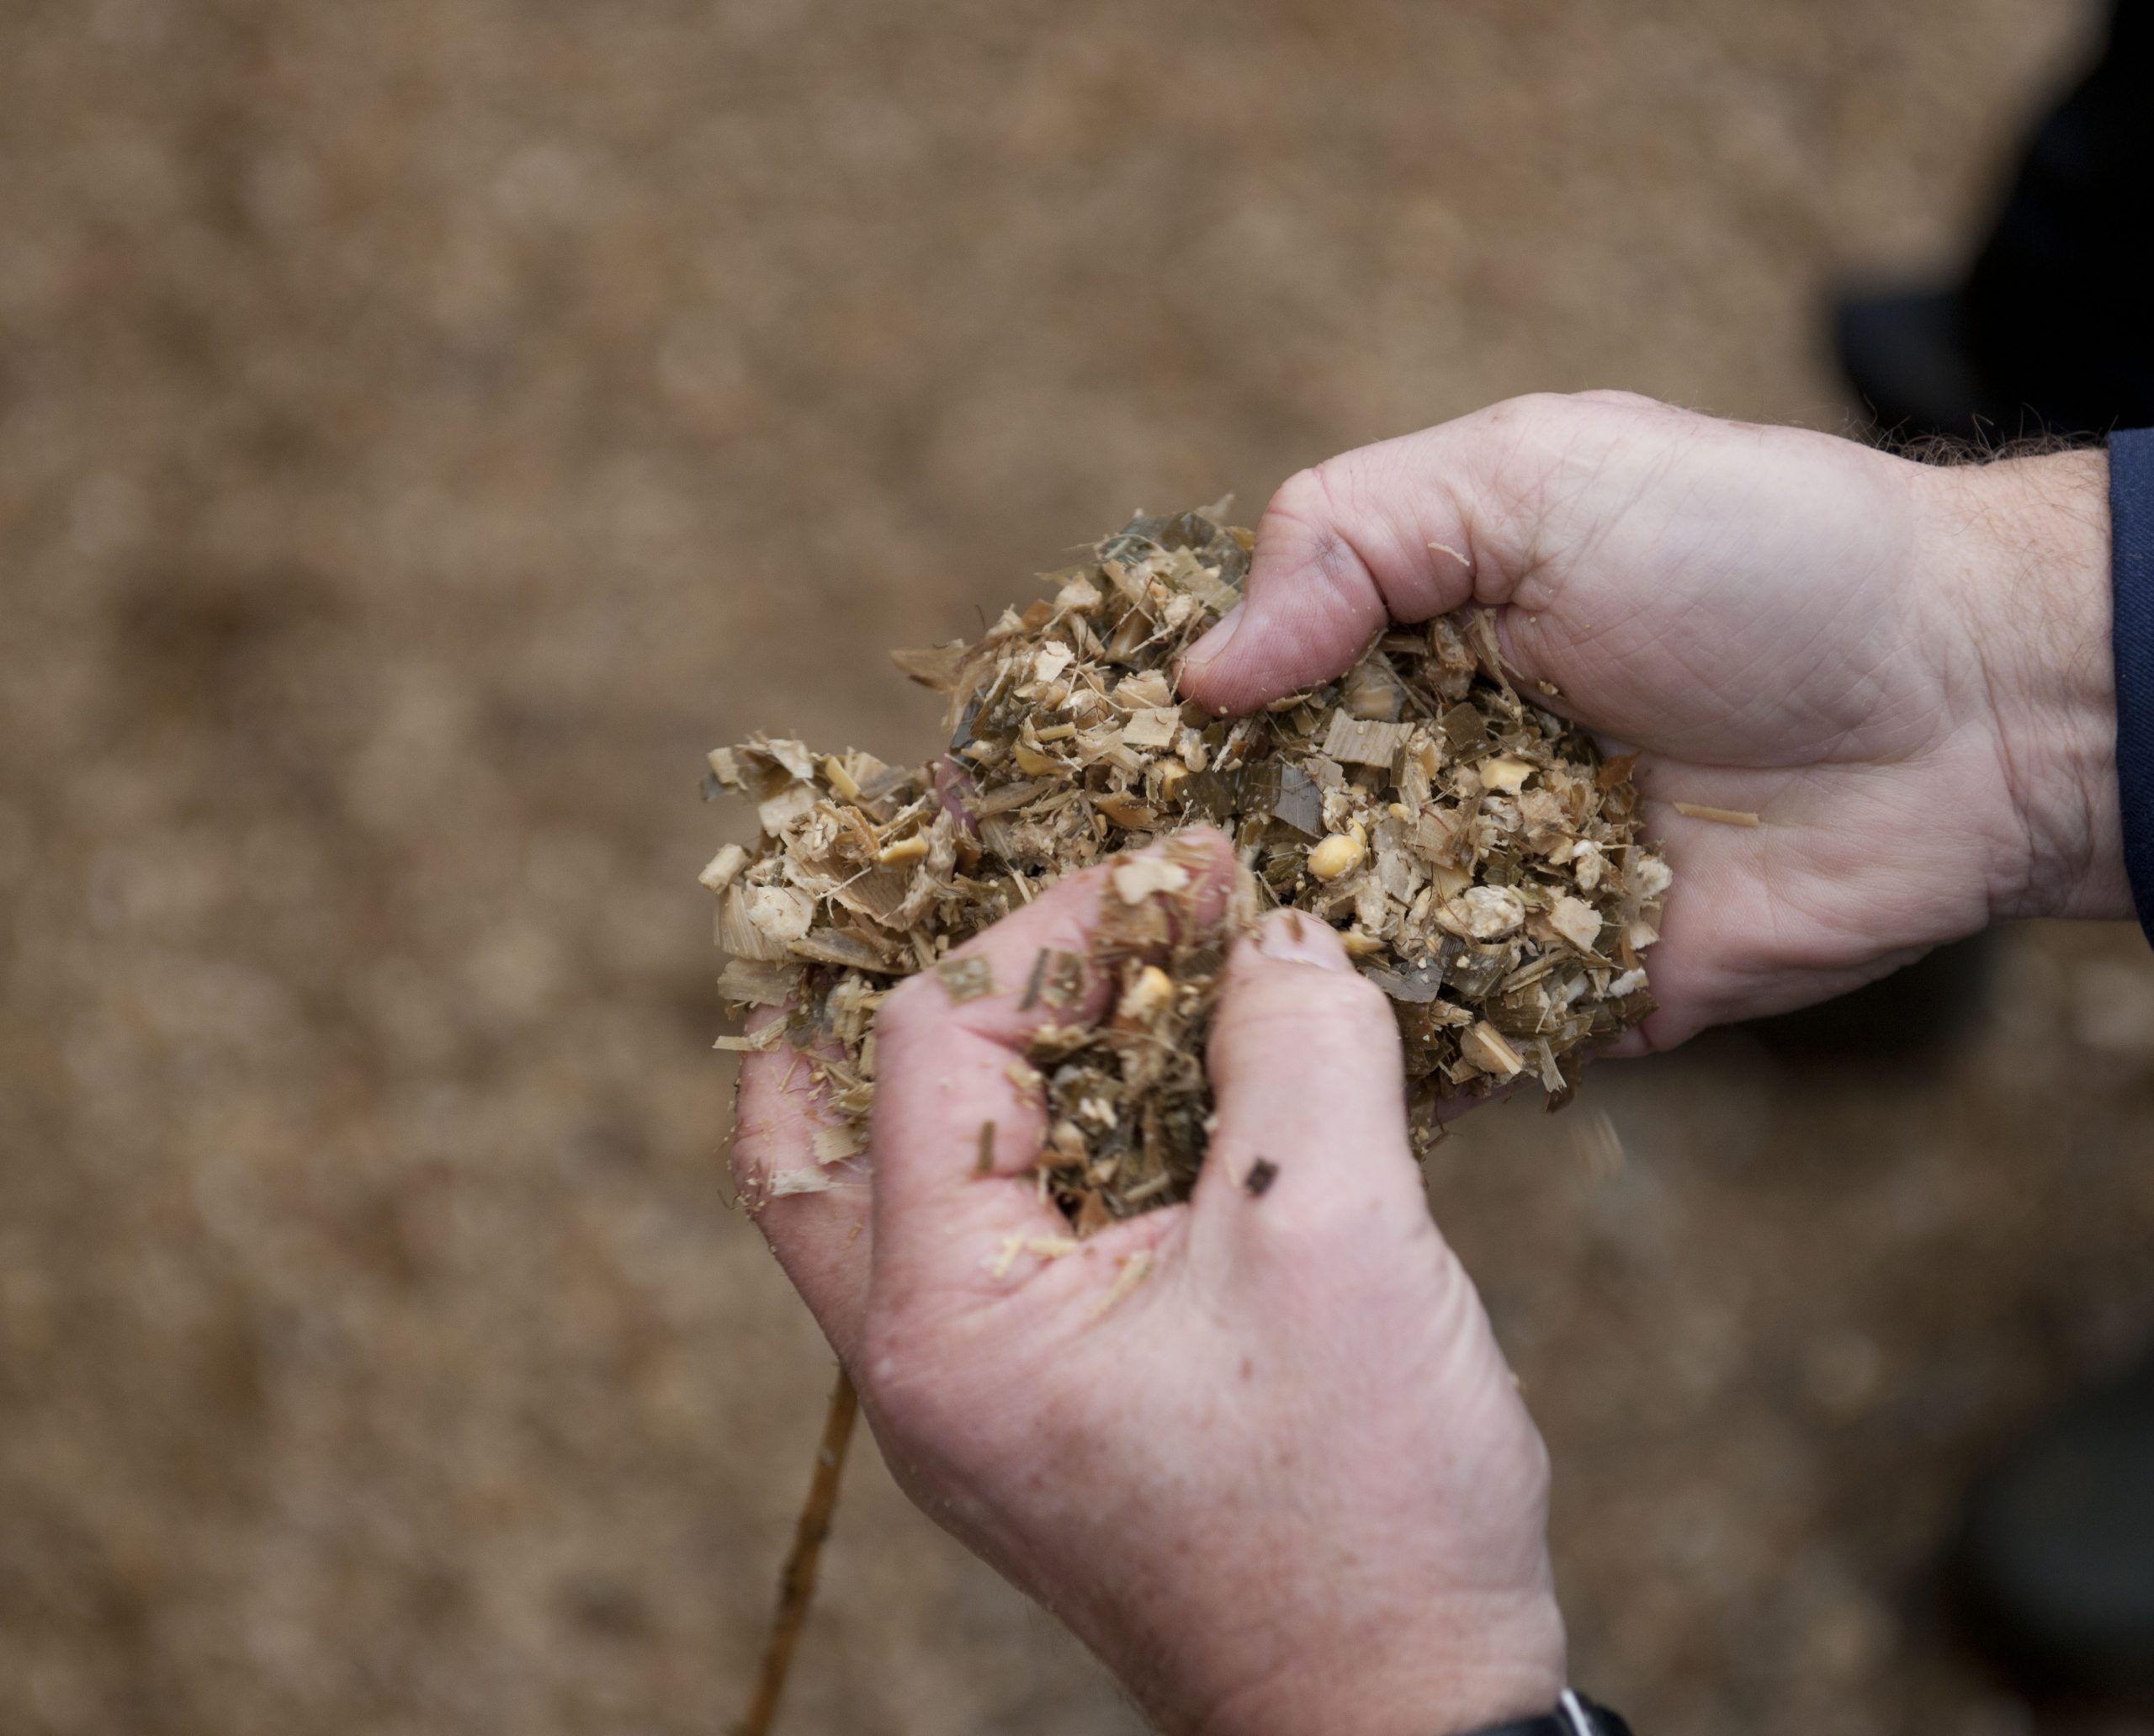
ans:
(1437, 1675)
(2024, 554)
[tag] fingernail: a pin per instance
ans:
(1300, 939)
(1217, 639)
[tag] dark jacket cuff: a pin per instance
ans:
(2131, 567)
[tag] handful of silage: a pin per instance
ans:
(1478, 856)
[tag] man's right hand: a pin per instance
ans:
(1904, 670)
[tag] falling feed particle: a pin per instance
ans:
(797, 1586)
(1600, 1146)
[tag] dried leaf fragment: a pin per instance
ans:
(1576, 920)
(1355, 741)
(1142, 876)
(835, 1144)
(1483, 912)
(1156, 726)
(719, 872)
(755, 982)
(756, 1042)
(965, 978)
(1065, 981)
(1487, 1049)
(1505, 774)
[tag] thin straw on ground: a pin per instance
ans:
(796, 1588)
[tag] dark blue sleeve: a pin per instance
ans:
(2131, 568)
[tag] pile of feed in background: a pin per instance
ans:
(1478, 857)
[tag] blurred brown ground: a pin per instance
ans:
(426, 426)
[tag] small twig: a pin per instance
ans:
(797, 1587)
(1719, 816)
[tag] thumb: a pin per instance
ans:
(1415, 527)
(1368, 538)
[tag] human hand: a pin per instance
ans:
(1259, 1451)
(1904, 670)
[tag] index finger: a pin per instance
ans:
(960, 1115)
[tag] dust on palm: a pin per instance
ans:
(1479, 857)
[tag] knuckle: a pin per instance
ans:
(1312, 530)
(1300, 508)
(1318, 500)
(1297, 492)
(1333, 483)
